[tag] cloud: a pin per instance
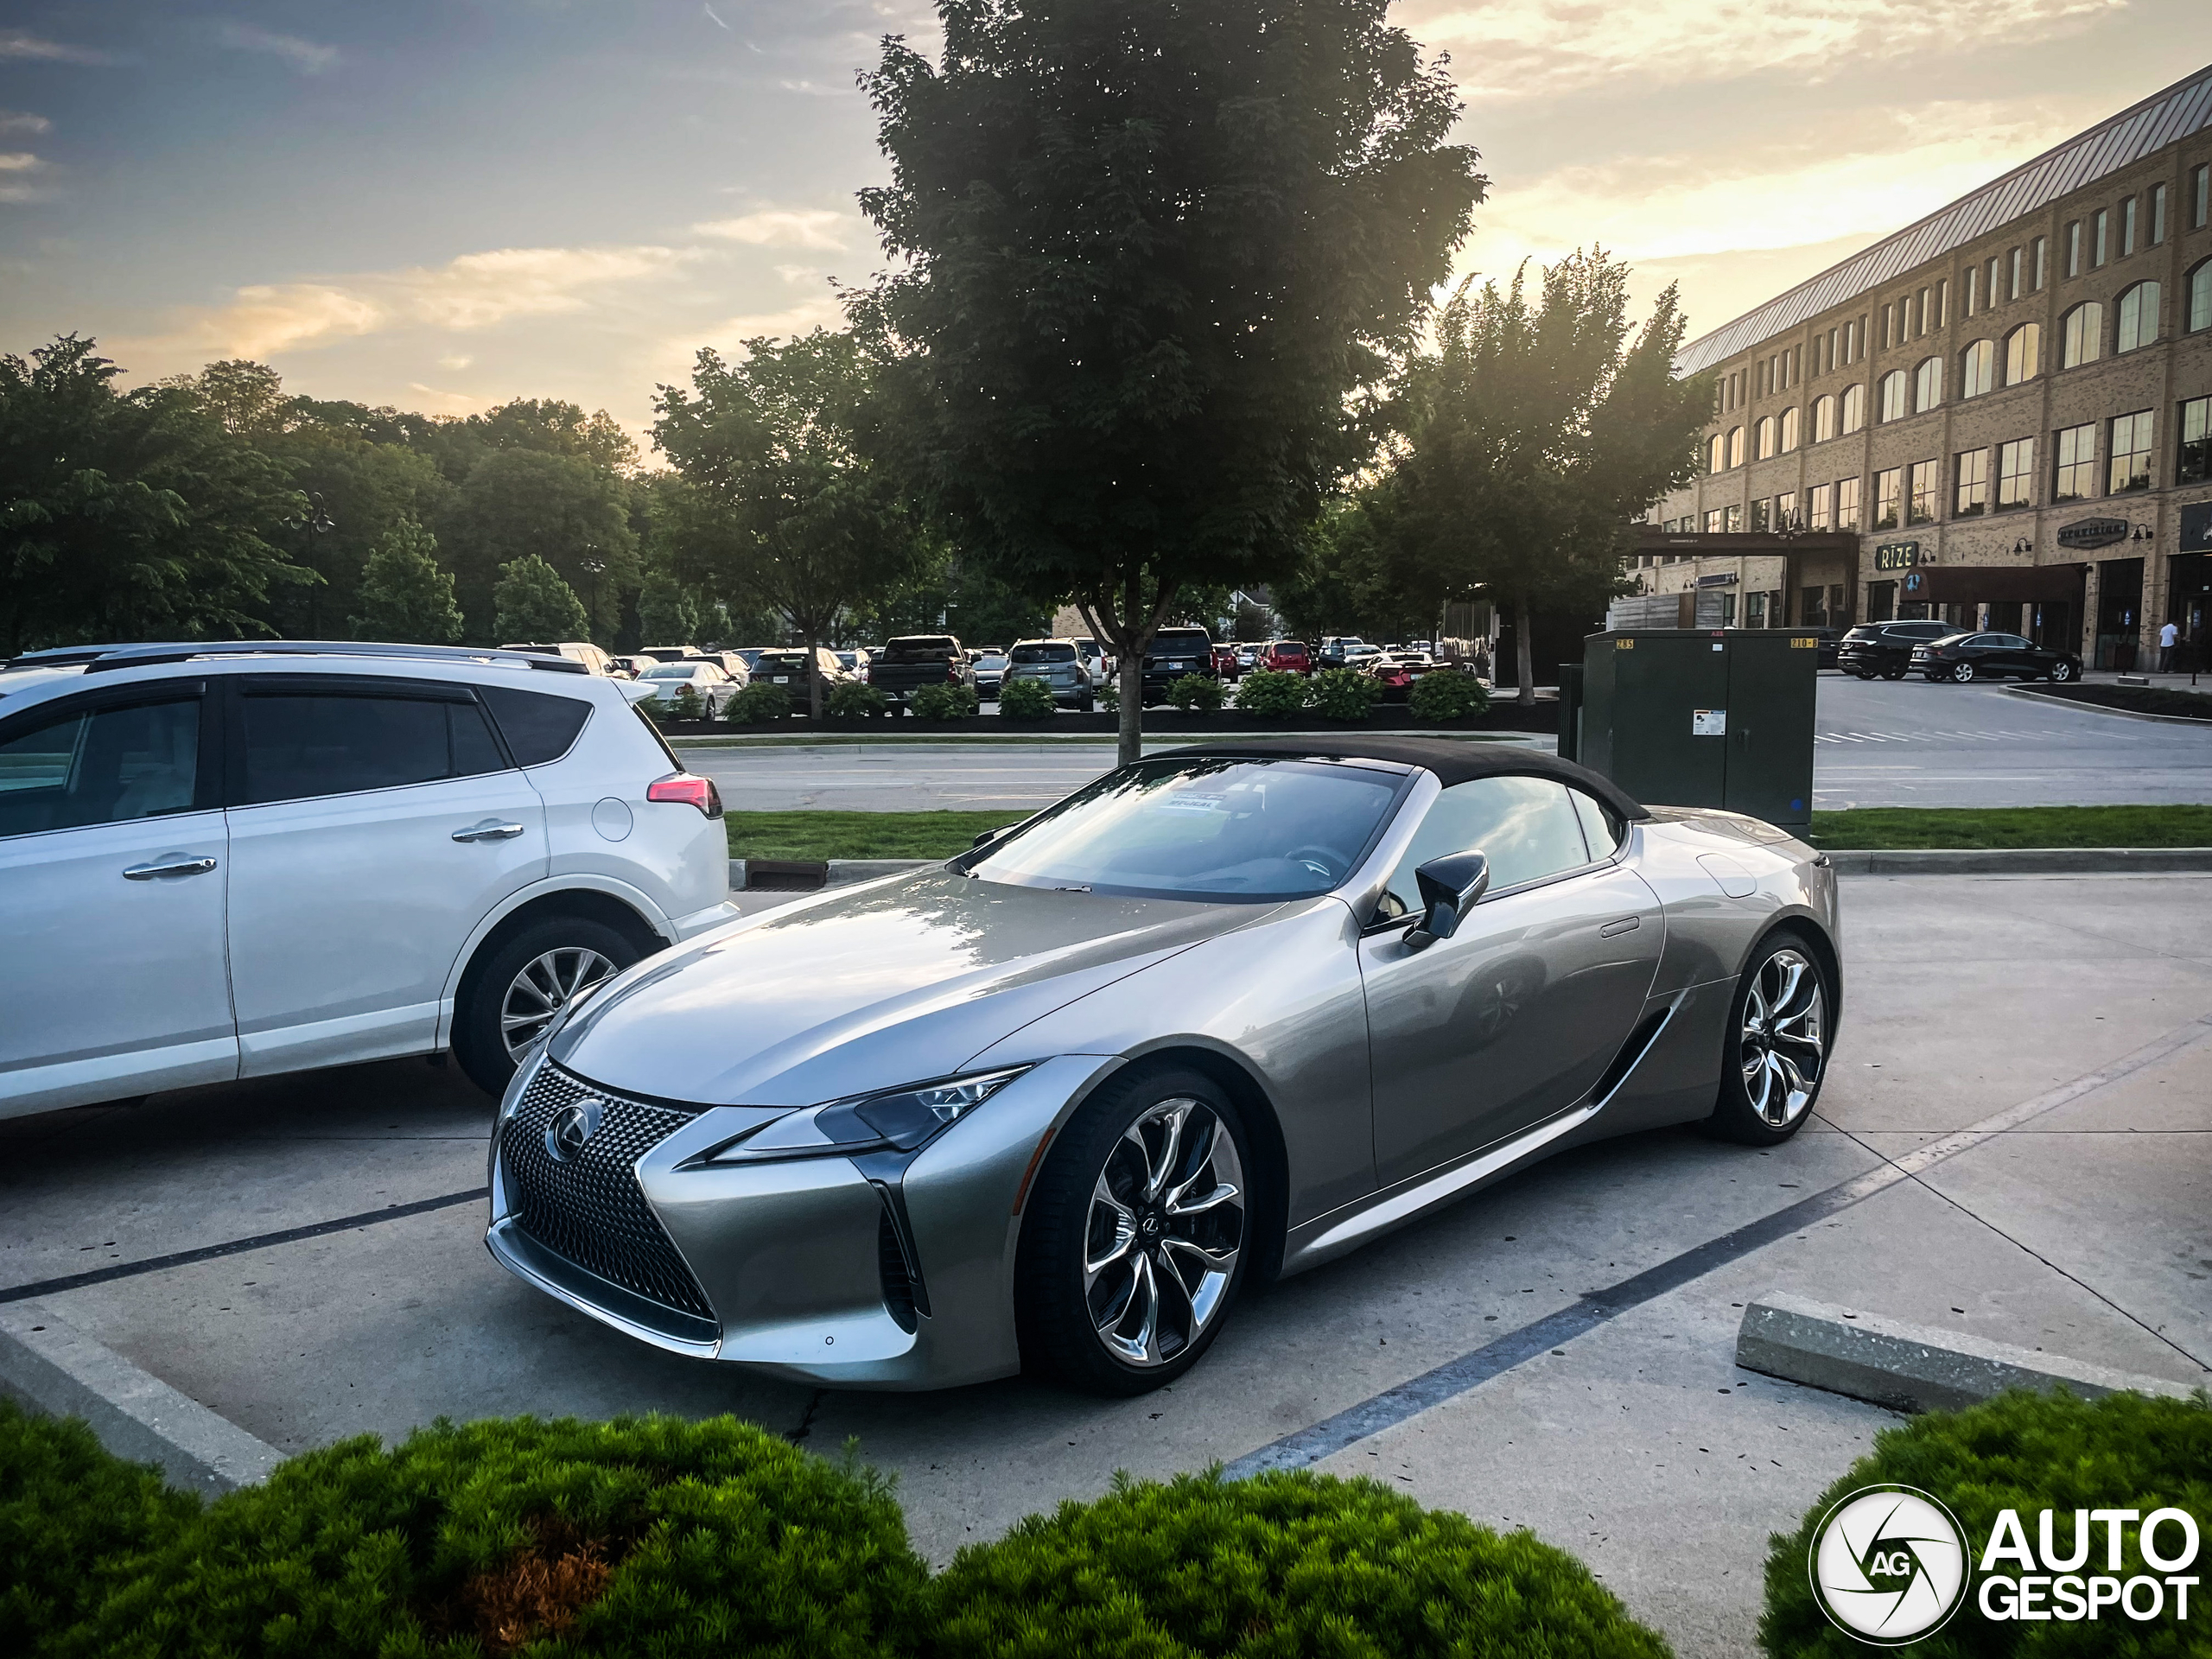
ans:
(19, 162)
(455, 363)
(780, 227)
(15, 168)
(19, 43)
(308, 57)
(22, 121)
(1535, 49)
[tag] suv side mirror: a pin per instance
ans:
(1450, 887)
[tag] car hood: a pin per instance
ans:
(898, 981)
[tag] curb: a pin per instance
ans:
(1911, 1367)
(49, 1365)
(2023, 861)
(2101, 708)
(1047, 740)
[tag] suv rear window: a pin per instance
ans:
(539, 728)
(1181, 642)
(1046, 653)
(921, 648)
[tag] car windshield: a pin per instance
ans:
(923, 648)
(1204, 826)
(1044, 654)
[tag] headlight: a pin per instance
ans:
(898, 1120)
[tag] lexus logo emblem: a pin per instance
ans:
(572, 1129)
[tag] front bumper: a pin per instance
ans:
(887, 1271)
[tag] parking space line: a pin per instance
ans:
(237, 1246)
(1596, 1307)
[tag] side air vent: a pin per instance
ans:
(890, 1268)
(1639, 1042)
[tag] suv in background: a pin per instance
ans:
(595, 660)
(1057, 665)
(1287, 657)
(238, 859)
(904, 666)
(786, 666)
(1884, 649)
(1173, 653)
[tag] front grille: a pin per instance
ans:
(590, 1208)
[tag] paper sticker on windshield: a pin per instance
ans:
(1709, 722)
(1192, 803)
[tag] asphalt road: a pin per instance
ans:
(1904, 743)
(1634, 1442)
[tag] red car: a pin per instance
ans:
(1224, 662)
(1287, 657)
(1396, 674)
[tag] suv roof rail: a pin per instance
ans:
(100, 658)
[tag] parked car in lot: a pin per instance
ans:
(1173, 653)
(1225, 663)
(663, 683)
(1220, 1016)
(670, 654)
(1057, 666)
(786, 666)
(1963, 657)
(854, 660)
(595, 660)
(1396, 673)
(907, 665)
(1093, 658)
(1884, 649)
(1287, 657)
(990, 664)
(749, 654)
(236, 859)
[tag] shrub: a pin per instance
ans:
(1024, 700)
(687, 705)
(1446, 694)
(2026, 1452)
(855, 700)
(1271, 692)
(1110, 694)
(1282, 1566)
(758, 704)
(1342, 694)
(944, 702)
(73, 1517)
(1195, 691)
(637, 1535)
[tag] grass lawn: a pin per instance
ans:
(1882, 829)
(858, 835)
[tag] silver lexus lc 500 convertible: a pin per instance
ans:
(1223, 1014)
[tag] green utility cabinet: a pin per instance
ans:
(1704, 717)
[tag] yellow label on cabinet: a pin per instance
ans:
(1623, 644)
(1804, 645)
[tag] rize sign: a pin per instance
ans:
(2094, 532)
(1896, 555)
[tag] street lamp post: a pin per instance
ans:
(312, 523)
(594, 568)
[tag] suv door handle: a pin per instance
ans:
(491, 830)
(182, 866)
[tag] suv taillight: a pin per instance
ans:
(687, 789)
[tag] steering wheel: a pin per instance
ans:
(1319, 859)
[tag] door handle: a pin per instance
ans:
(1625, 925)
(182, 866)
(488, 831)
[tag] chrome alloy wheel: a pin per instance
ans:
(545, 986)
(1963, 673)
(1166, 1221)
(1784, 1038)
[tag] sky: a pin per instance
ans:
(445, 204)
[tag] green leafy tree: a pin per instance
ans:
(667, 615)
(1153, 252)
(128, 515)
(804, 519)
(535, 606)
(562, 509)
(1532, 438)
(1348, 584)
(404, 594)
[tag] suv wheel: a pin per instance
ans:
(1137, 1231)
(1963, 673)
(2060, 673)
(521, 986)
(1774, 1056)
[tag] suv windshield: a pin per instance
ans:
(1204, 826)
(920, 648)
(1044, 654)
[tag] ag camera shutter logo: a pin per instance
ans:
(1889, 1565)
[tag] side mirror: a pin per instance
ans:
(1450, 887)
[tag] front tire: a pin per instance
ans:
(1137, 1236)
(1962, 675)
(513, 997)
(2060, 673)
(1774, 1053)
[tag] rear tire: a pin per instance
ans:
(1136, 1234)
(1773, 1050)
(515, 992)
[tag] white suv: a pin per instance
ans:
(230, 861)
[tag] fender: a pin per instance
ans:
(582, 882)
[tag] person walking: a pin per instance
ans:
(2169, 636)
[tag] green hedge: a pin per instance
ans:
(855, 700)
(1342, 694)
(1446, 694)
(2026, 1452)
(758, 704)
(654, 1536)
(946, 701)
(1271, 691)
(1201, 693)
(1024, 700)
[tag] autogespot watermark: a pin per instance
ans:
(1890, 1564)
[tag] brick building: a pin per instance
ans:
(2001, 415)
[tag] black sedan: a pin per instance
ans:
(1884, 649)
(1963, 657)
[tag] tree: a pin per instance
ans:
(535, 607)
(799, 515)
(667, 615)
(405, 594)
(562, 509)
(368, 490)
(128, 515)
(1348, 583)
(1532, 438)
(1153, 251)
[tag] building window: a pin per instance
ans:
(1731, 519)
(1977, 368)
(1824, 411)
(1888, 497)
(2043, 247)
(2016, 467)
(2100, 237)
(1896, 395)
(2074, 248)
(1855, 409)
(2157, 215)
(2127, 228)
(1735, 446)
(1967, 300)
(1761, 518)
(1716, 455)
(2200, 196)
(1970, 475)
(2131, 452)
(1765, 430)
(2139, 317)
(1889, 313)
(1943, 303)
(2076, 478)
(1922, 508)
(1927, 385)
(2016, 285)
(1924, 316)
(1993, 279)
(2083, 340)
(2193, 465)
(1788, 429)
(2023, 353)
(1713, 521)
(1847, 504)
(1822, 512)
(2200, 297)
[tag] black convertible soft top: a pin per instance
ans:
(1452, 760)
